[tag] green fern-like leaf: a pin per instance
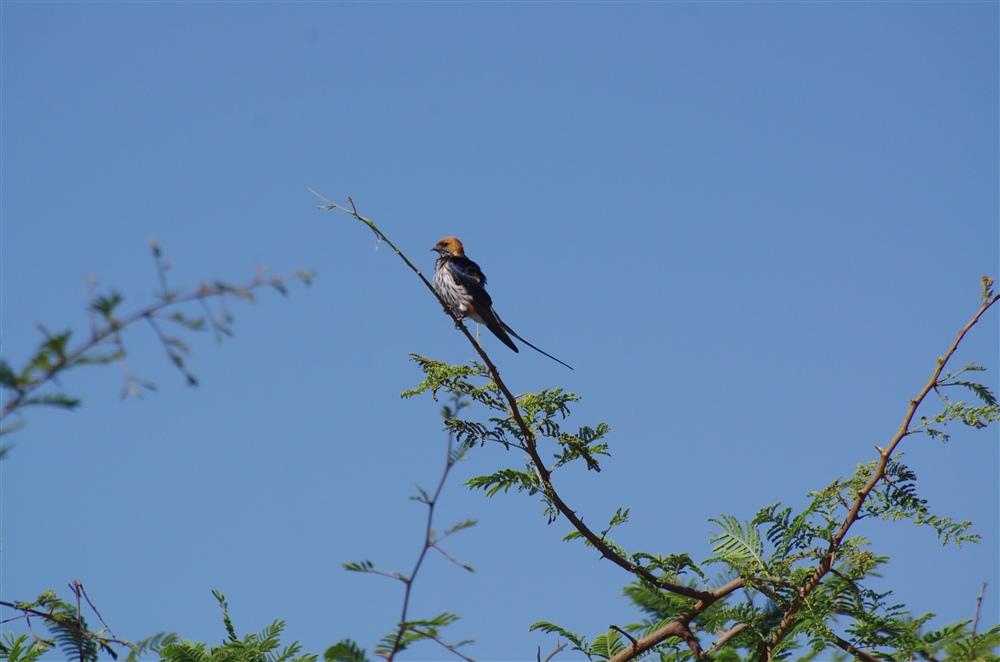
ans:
(983, 393)
(579, 642)
(21, 648)
(607, 645)
(71, 636)
(345, 651)
(505, 479)
(141, 650)
(738, 546)
(105, 305)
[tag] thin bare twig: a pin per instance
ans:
(79, 585)
(429, 543)
(556, 651)
(979, 603)
(452, 648)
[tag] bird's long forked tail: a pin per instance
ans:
(511, 332)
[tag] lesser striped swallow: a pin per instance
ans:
(461, 283)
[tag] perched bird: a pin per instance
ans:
(461, 283)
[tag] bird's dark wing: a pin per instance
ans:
(470, 277)
(465, 270)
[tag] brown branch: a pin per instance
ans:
(725, 637)
(680, 626)
(826, 563)
(853, 650)
(543, 472)
(61, 620)
(551, 655)
(623, 632)
(979, 603)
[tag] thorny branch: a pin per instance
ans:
(530, 447)
(826, 564)
(680, 626)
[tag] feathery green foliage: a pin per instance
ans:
(264, 646)
(345, 651)
(541, 412)
(805, 584)
(790, 583)
(21, 648)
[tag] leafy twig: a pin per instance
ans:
(61, 616)
(826, 563)
(543, 472)
(53, 357)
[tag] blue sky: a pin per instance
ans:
(750, 227)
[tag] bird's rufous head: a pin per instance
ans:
(450, 246)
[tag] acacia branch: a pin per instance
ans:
(112, 329)
(725, 637)
(66, 621)
(885, 454)
(854, 650)
(543, 472)
(681, 626)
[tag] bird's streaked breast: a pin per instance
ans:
(456, 296)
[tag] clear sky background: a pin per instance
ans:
(750, 227)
